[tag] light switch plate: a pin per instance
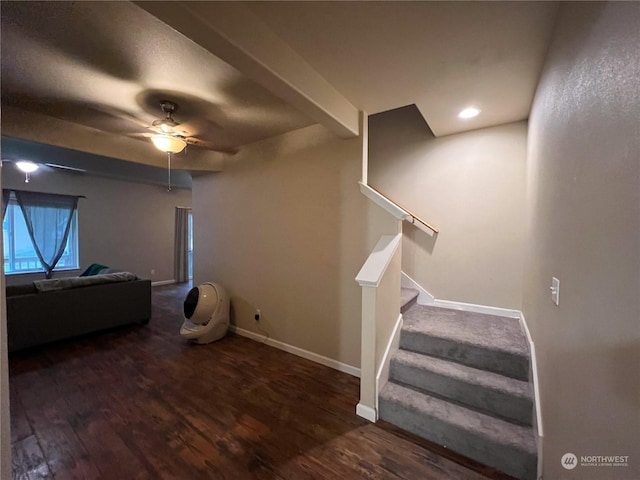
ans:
(555, 290)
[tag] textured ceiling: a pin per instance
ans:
(107, 65)
(442, 56)
(93, 73)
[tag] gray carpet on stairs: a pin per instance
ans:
(461, 379)
(484, 341)
(497, 333)
(488, 440)
(498, 395)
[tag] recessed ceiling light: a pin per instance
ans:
(469, 113)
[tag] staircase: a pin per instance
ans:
(460, 379)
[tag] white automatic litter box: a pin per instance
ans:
(206, 312)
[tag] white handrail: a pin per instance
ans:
(374, 267)
(383, 202)
(396, 210)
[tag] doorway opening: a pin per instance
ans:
(190, 244)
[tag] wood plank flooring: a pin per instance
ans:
(141, 403)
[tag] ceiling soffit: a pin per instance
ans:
(105, 66)
(234, 33)
(441, 56)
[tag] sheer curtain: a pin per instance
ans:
(5, 201)
(48, 218)
(182, 244)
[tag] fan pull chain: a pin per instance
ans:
(169, 171)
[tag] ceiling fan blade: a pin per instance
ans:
(210, 146)
(66, 168)
(123, 114)
(197, 125)
(145, 135)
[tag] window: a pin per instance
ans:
(19, 254)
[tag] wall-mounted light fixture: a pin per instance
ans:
(28, 168)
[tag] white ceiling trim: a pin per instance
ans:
(234, 34)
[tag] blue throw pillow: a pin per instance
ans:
(93, 269)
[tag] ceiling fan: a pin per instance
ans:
(169, 139)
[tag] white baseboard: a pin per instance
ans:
(540, 455)
(533, 378)
(300, 352)
(425, 298)
(367, 412)
(471, 307)
(163, 282)
(382, 376)
(533, 372)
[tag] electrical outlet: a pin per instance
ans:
(153, 271)
(256, 316)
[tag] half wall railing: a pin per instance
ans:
(379, 278)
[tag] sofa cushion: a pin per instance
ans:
(75, 282)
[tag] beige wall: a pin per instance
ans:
(285, 229)
(584, 228)
(471, 187)
(121, 224)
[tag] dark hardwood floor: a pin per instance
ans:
(141, 403)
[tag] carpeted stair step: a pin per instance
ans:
(488, 440)
(486, 342)
(489, 392)
(408, 298)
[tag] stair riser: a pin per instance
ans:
(492, 402)
(506, 458)
(408, 298)
(504, 363)
(408, 305)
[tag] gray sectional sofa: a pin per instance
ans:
(52, 310)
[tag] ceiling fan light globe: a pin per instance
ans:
(27, 167)
(168, 143)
